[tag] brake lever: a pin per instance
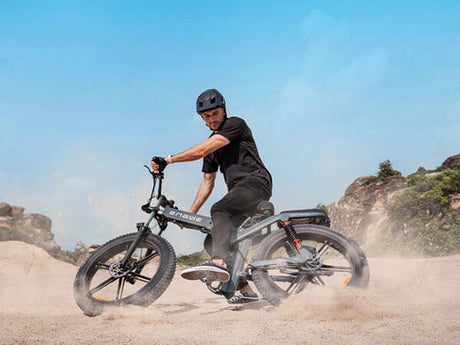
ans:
(155, 175)
(148, 168)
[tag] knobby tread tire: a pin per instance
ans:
(146, 295)
(356, 257)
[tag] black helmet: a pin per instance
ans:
(208, 100)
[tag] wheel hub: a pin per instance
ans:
(116, 271)
(313, 265)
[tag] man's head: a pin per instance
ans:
(214, 118)
(211, 106)
(208, 100)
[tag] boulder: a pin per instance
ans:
(362, 212)
(17, 211)
(455, 201)
(5, 210)
(31, 228)
(451, 162)
(84, 253)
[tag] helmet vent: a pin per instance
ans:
(209, 99)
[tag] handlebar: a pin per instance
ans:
(155, 176)
(163, 200)
(153, 173)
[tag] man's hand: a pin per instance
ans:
(158, 164)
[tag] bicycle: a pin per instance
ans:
(137, 268)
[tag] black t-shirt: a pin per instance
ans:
(239, 160)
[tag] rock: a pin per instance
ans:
(6, 228)
(362, 212)
(17, 211)
(451, 162)
(455, 201)
(5, 210)
(84, 253)
(36, 221)
(31, 228)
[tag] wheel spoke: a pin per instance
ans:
(336, 268)
(102, 285)
(142, 262)
(289, 279)
(320, 252)
(102, 265)
(140, 277)
(320, 281)
(297, 285)
(121, 286)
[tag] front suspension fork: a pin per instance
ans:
(142, 232)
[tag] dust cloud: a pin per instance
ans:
(409, 301)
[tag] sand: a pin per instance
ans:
(409, 301)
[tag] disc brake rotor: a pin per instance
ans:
(116, 271)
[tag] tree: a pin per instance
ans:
(386, 170)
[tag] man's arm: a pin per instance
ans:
(201, 150)
(195, 152)
(206, 187)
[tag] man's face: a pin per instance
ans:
(213, 118)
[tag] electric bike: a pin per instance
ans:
(280, 253)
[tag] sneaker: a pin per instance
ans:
(207, 272)
(242, 297)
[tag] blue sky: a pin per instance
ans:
(90, 90)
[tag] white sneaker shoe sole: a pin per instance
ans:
(205, 273)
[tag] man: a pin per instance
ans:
(232, 149)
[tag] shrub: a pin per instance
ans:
(429, 224)
(193, 259)
(323, 208)
(75, 254)
(386, 170)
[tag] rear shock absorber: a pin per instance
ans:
(290, 232)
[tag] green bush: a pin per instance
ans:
(323, 208)
(386, 170)
(193, 259)
(429, 225)
(75, 254)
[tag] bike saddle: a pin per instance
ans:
(266, 208)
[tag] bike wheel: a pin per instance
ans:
(102, 282)
(340, 262)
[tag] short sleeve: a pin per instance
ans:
(210, 165)
(232, 128)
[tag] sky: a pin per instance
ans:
(91, 90)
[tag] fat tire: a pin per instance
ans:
(347, 247)
(146, 295)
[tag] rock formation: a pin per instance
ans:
(31, 228)
(451, 162)
(362, 212)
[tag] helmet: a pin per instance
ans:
(208, 100)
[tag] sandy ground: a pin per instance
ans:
(409, 301)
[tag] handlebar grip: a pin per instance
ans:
(161, 162)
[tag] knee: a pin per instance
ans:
(219, 208)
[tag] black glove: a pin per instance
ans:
(161, 163)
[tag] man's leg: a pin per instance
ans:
(239, 200)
